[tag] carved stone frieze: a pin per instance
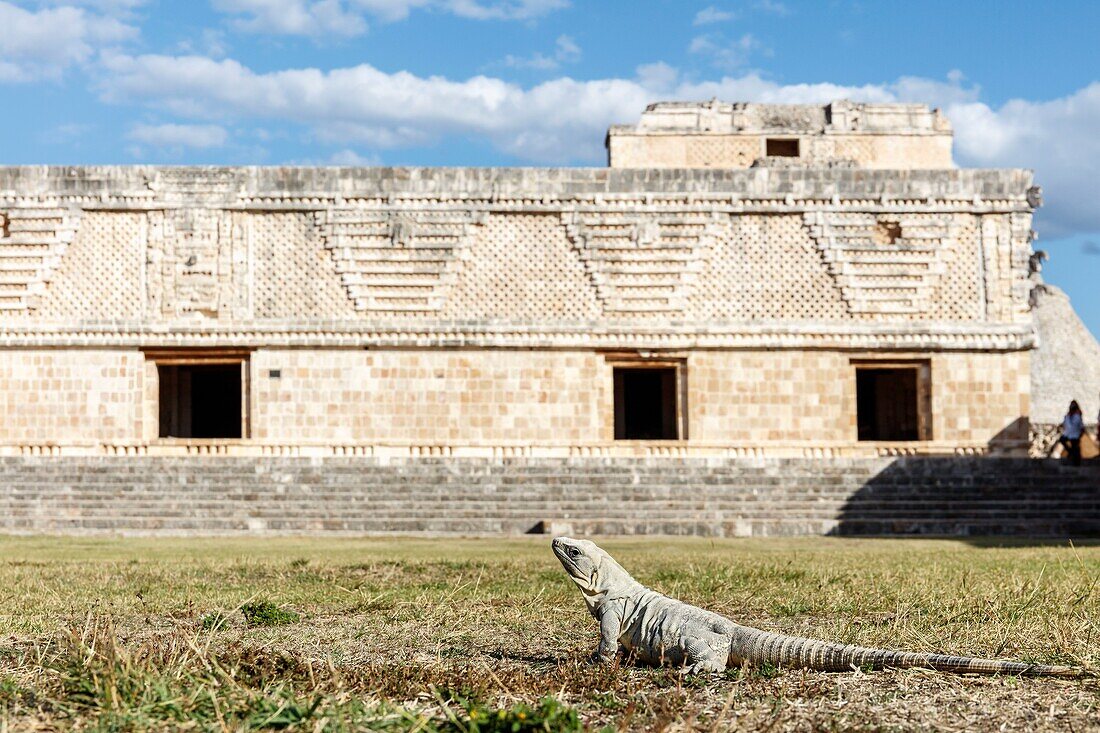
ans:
(32, 243)
(643, 263)
(1007, 266)
(197, 264)
(610, 249)
(398, 261)
(884, 264)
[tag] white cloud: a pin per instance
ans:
(66, 133)
(390, 10)
(711, 14)
(294, 17)
(174, 136)
(1057, 138)
(566, 51)
(349, 157)
(723, 52)
(346, 17)
(209, 42)
(771, 6)
(362, 103)
(502, 9)
(116, 8)
(561, 120)
(43, 43)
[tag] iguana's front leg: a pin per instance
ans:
(611, 619)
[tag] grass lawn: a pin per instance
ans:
(449, 634)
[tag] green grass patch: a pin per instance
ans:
(266, 613)
(548, 715)
(214, 621)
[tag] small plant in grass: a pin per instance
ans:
(214, 621)
(549, 715)
(695, 681)
(764, 670)
(767, 670)
(607, 701)
(10, 692)
(266, 613)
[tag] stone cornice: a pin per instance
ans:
(902, 337)
(515, 189)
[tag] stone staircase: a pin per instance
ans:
(716, 497)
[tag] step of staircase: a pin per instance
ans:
(782, 497)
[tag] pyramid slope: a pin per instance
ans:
(1066, 365)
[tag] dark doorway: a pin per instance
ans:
(200, 400)
(645, 404)
(781, 147)
(888, 403)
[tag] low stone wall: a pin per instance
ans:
(483, 496)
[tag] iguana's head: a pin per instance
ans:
(595, 572)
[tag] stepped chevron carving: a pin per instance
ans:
(642, 263)
(399, 261)
(32, 242)
(884, 263)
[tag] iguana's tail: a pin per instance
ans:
(758, 647)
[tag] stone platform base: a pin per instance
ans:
(481, 496)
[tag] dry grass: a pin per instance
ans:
(148, 634)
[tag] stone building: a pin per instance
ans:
(743, 281)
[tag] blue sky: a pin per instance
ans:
(536, 82)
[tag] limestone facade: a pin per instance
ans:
(493, 311)
(838, 134)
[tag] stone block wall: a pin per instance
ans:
(57, 396)
(771, 395)
(506, 396)
(810, 395)
(566, 397)
(982, 396)
(431, 397)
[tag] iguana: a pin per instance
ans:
(659, 630)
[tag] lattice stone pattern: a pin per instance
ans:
(523, 268)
